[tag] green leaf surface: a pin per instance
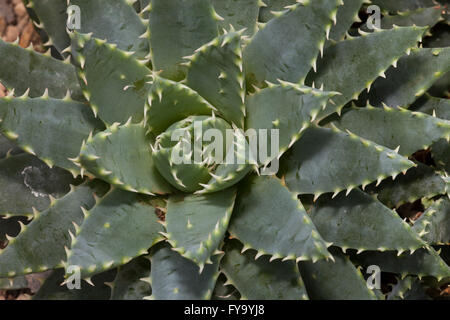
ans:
(288, 46)
(49, 128)
(241, 14)
(169, 102)
(32, 252)
(408, 288)
(402, 5)
(320, 162)
(339, 280)
(225, 176)
(429, 105)
(26, 183)
(52, 289)
(176, 278)
(196, 224)
(128, 284)
(215, 71)
(53, 19)
(419, 182)
(24, 69)
(261, 279)
(267, 11)
(179, 27)
(185, 177)
(434, 224)
(395, 127)
(288, 108)
(423, 262)
(116, 84)
(117, 22)
(120, 227)
(347, 14)
(121, 155)
(414, 75)
(275, 225)
(358, 221)
(14, 283)
(424, 17)
(352, 65)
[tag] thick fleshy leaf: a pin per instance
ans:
(347, 14)
(26, 183)
(24, 69)
(271, 7)
(424, 17)
(358, 221)
(185, 177)
(179, 27)
(225, 176)
(121, 155)
(419, 182)
(14, 283)
(32, 252)
(52, 289)
(52, 17)
(423, 262)
(352, 65)
(261, 279)
(288, 46)
(434, 224)
(277, 225)
(122, 226)
(402, 5)
(115, 82)
(338, 280)
(215, 71)
(411, 131)
(170, 102)
(414, 75)
(49, 128)
(408, 288)
(320, 162)
(117, 22)
(128, 284)
(288, 108)
(176, 278)
(431, 105)
(196, 224)
(241, 14)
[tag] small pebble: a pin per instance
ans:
(12, 32)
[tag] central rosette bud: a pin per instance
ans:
(190, 151)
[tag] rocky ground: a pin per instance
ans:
(15, 23)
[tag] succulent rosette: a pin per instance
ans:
(144, 149)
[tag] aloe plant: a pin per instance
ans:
(91, 181)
